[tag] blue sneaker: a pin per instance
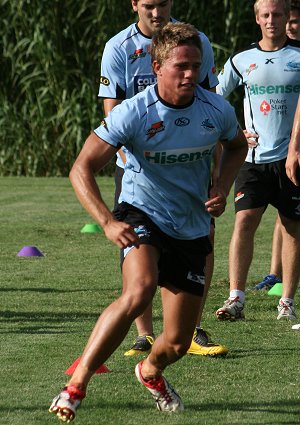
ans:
(268, 282)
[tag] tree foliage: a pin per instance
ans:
(51, 54)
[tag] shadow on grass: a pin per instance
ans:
(282, 407)
(47, 323)
(47, 290)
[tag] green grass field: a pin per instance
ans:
(49, 305)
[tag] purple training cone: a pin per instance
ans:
(30, 251)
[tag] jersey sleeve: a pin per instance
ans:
(208, 77)
(117, 128)
(112, 79)
(230, 123)
(229, 79)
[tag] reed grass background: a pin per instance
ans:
(50, 66)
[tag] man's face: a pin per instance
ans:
(272, 20)
(153, 14)
(177, 77)
(293, 25)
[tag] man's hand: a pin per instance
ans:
(216, 203)
(292, 165)
(120, 233)
(252, 139)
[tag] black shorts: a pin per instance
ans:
(258, 185)
(181, 262)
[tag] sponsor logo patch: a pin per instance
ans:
(141, 230)
(182, 122)
(251, 68)
(178, 156)
(196, 278)
(269, 61)
(154, 129)
(138, 54)
(239, 196)
(104, 80)
(265, 107)
(104, 124)
(140, 82)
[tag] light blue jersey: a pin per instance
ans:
(126, 66)
(271, 82)
(169, 155)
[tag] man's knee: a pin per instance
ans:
(135, 301)
(180, 345)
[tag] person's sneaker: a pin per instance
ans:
(233, 309)
(165, 396)
(65, 404)
(268, 282)
(286, 310)
(202, 345)
(142, 345)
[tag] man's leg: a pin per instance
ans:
(290, 266)
(275, 274)
(240, 258)
(143, 342)
(276, 265)
(201, 344)
(180, 311)
(143, 323)
(140, 274)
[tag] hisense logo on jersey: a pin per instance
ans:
(138, 54)
(255, 89)
(178, 156)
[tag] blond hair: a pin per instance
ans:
(286, 5)
(171, 36)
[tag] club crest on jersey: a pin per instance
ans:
(154, 129)
(207, 125)
(138, 54)
(293, 66)
(251, 68)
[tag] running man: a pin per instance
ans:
(170, 131)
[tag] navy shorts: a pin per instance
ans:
(258, 185)
(181, 262)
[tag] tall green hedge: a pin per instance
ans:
(51, 54)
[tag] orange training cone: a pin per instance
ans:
(71, 369)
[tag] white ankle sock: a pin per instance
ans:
(289, 301)
(237, 293)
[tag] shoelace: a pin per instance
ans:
(166, 392)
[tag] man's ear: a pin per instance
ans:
(156, 68)
(134, 5)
